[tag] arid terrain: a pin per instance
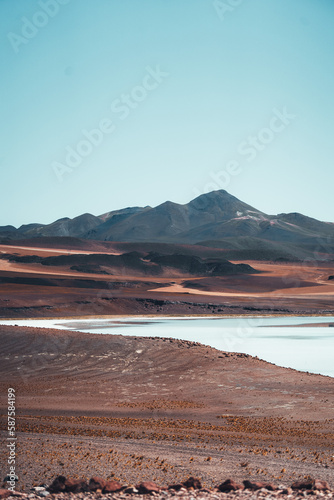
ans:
(142, 282)
(138, 409)
(134, 409)
(215, 254)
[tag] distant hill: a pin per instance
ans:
(215, 219)
(152, 264)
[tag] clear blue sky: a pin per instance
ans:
(190, 95)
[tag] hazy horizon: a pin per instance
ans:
(114, 104)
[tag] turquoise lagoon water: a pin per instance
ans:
(276, 339)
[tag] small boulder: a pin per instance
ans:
(58, 485)
(320, 485)
(112, 486)
(147, 487)
(130, 490)
(271, 487)
(192, 482)
(4, 493)
(303, 485)
(75, 485)
(96, 483)
(253, 485)
(230, 485)
(175, 487)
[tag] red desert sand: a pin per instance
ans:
(133, 410)
(137, 409)
(34, 290)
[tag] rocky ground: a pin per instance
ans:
(133, 409)
(191, 489)
(29, 289)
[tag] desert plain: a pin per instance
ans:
(60, 289)
(134, 408)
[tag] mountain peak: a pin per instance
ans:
(218, 194)
(216, 219)
(227, 205)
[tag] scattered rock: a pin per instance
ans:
(112, 486)
(320, 485)
(130, 490)
(302, 485)
(61, 484)
(147, 487)
(230, 485)
(271, 487)
(58, 485)
(69, 485)
(175, 487)
(75, 485)
(256, 485)
(4, 493)
(192, 482)
(96, 483)
(40, 491)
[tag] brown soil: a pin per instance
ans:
(33, 290)
(137, 409)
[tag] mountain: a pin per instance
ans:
(215, 219)
(63, 227)
(172, 222)
(138, 263)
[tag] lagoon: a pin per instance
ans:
(293, 342)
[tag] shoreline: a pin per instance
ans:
(161, 407)
(171, 316)
(235, 342)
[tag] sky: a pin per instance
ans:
(107, 104)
